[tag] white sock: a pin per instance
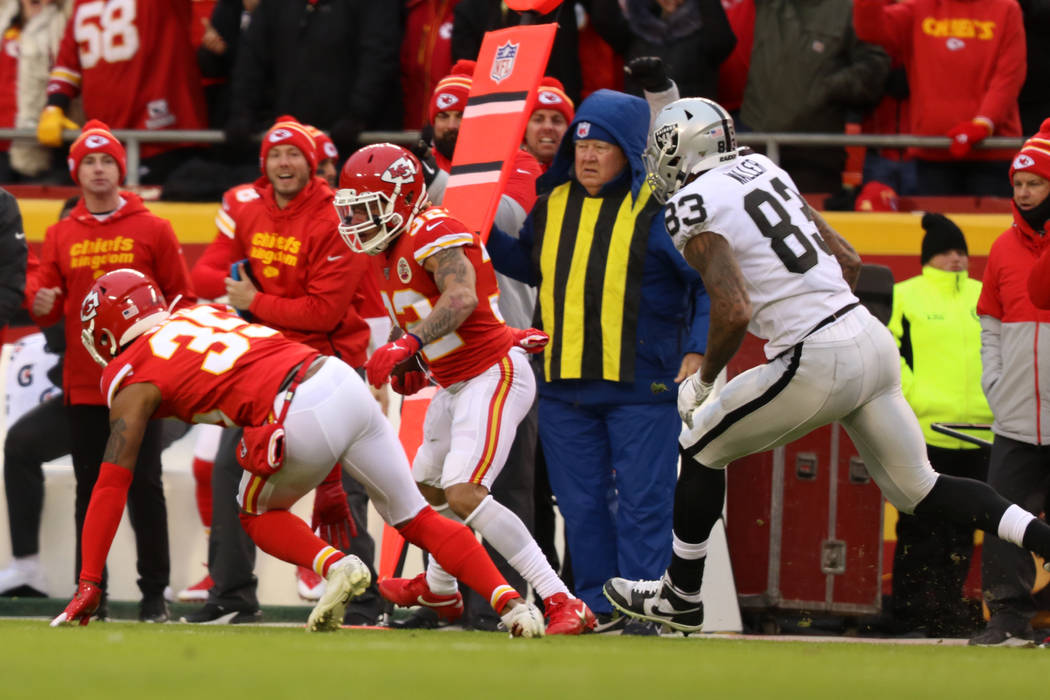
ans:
(1013, 524)
(438, 580)
(509, 536)
(688, 550)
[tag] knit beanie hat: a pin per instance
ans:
(551, 95)
(1034, 156)
(289, 131)
(451, 92)
(941, 236)
(96, 138)
(590, 130)
(325, 146)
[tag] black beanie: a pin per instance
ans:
(941, 236)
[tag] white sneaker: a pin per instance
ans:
(346, 579)
(24, 577)
(523, 620)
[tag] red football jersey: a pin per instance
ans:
(210, 365)
(133, 64)
(410, 294)
(213, 266)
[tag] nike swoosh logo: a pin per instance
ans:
(19, 236)
(430, 227)
(333, 258)
(523, 172)
(435, 603)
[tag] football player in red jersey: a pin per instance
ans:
(205, 365)
(438, 285)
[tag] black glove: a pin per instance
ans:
(649, 72)
(344, 134)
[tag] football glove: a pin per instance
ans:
(966, 135)
(650, 72)
(331, 519)
(532, 339)
(85, 602)
(383, 360)
(409, 382)
(691, 393)
(49, 128)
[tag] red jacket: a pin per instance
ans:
(305, 273)
(79, 249)
(1039, 281)
(426, 55)
(964, 58)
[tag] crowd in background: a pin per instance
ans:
(964, 69)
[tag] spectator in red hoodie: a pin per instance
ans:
(965, 61)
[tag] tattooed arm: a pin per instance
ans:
(709, 253)
(129, 415)
(455, 278)
(849, 259)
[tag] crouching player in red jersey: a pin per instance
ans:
(438, 284)
(204, 365)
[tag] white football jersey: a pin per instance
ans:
(793, 279)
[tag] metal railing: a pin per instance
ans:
(771, 142)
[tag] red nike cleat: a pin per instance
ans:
(567, 615)
(196, 592)
(407, 592)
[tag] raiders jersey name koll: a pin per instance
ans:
(793, 279)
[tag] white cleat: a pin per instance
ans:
(346, 579)
(523, 620)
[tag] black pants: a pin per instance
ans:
(231, 552)
(932, 557)
(1020, 472)
(40, 435)
(147, 509)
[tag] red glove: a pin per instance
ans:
(531, 339)
(966, 135)
(84, 604)
(332, 519)
(409, 382)
(383, 360)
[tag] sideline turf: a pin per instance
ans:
(131, 660)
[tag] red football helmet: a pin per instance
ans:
(121, 306)
(384, 183)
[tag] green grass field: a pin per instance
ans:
(120, 660)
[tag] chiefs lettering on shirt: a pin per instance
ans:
(81, 248)
(194, 358)
(133, 63)
(409, 293)
(305, 274)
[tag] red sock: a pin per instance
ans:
(202, 475)
(284, 535)
(102, 519)
(457, 550)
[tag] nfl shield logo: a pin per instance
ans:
(503, 64)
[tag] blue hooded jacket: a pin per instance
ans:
(674, 309)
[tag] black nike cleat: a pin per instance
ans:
(657, 601)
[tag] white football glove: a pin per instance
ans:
(691, 393)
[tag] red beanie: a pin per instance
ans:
(325, 146)
(1034, 156)
(876, 196)
(289, 131)
(96, 138)
(551, 95)
(451, 92)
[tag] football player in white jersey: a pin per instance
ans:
(772, 265)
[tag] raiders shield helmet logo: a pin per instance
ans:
(666, 138)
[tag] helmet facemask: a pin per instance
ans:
(380, 217)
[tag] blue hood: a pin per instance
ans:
(624, 116)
